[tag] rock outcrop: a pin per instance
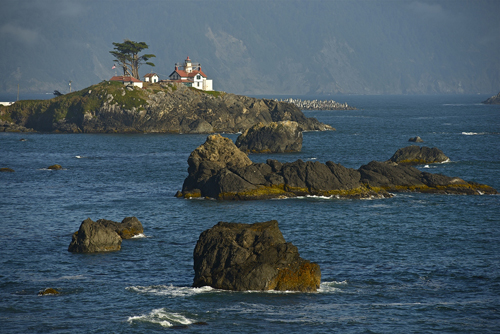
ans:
(416, 139)
(6, 169)
(221, 178)
(111, 108)
(55, 167)
(103, 235)
(416, 155)
(234, 256)
(495, 99)
(48, 292)
(275, 137)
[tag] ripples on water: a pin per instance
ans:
(412, 263)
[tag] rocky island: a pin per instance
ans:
(111, 107)
(218, 169)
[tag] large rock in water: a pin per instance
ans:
(231, 175)
(416, 155)
(495, 99)
(234, 256)
(103, 235)
(275, 137)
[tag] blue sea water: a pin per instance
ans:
(414, 263)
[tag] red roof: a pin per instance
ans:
(184, 74)
(124, 79)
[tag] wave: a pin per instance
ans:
(140, 235)
(184, 291)
(331, 287)
(162, 317)
(474, 133)
(170, 290)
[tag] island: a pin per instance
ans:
(113, 107)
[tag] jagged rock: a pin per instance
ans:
(218, 176)
(495, 99)
(6, 169)
(416, 139)
(235, 256)
(205, 162)
(128, 228)
(95, 237)
(55, 167)
(275, 137)
(416, 155)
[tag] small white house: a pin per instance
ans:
(191, 75)
(128, 81)
(151, 77)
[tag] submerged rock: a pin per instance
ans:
(104, 235)
(275, 137)
(48, 291)
(6, 169)
(55, 167)
(416, 155)
(221, 178)
(235, 256)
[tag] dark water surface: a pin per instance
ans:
(413, 263)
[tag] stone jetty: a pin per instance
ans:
(318, 104)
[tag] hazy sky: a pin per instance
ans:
(281, 47)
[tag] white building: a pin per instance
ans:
(191, 75)
(151, 77)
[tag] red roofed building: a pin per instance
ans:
(191, 75)
(127, 81)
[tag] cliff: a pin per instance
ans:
(110, 107)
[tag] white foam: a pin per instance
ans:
(473, 133)
(161, 317)
(140, 235)
(331, 287)
(170, 290)
(426, 166)
(78, 156)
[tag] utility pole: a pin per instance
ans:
(17, 91)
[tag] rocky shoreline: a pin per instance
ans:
(318, 104)
(110, 107)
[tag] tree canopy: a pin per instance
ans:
(127, 55)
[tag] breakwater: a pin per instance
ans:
(318, 104)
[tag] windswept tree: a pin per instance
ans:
(127, 55)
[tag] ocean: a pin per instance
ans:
(414, 263)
